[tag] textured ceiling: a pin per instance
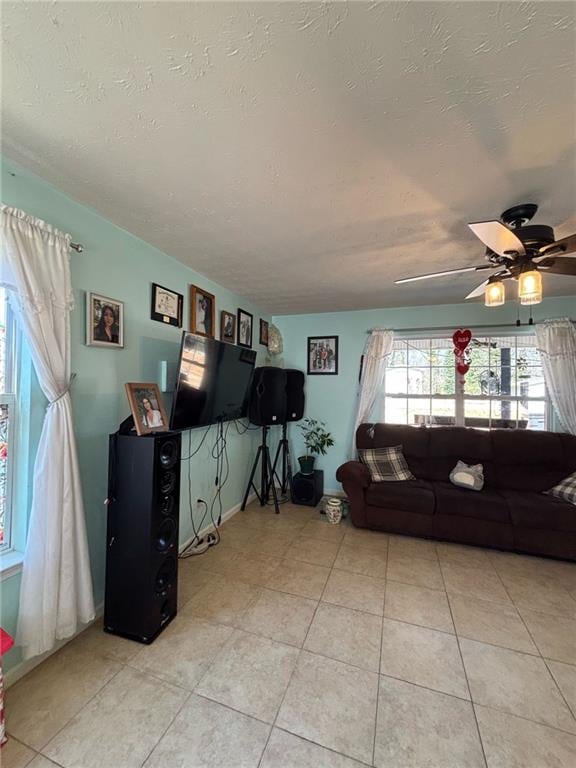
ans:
(302, 154)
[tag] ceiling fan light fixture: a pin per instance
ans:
(495, 294)
(530, 287)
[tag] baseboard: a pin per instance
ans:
(28, 665)
(13, 675)
(207, 528)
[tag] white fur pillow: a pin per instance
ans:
(469, 476)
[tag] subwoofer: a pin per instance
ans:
(142, 535)
(267, 404)
(294, 394)
(308, 489)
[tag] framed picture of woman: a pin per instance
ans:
(245, 320)
(104, 321)
(202, 312)
(227, 327)
(147, 408)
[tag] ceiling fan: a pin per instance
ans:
(516, 250)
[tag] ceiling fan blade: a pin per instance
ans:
(498, 238)
(559, 267)
(444, 273)
(479, 290)
(564, 247)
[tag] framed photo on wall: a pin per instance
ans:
(322, 355)
(245, 320)
(147, 408)
(227, 327)
(264, 332)
(166, 306)
(202, 312)
(104, 321)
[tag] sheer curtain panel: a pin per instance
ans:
(557, 346)
(376, 355)
(56, 592)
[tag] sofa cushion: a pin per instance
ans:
(385, 464)
(487, 504)
(565, 490)
(406, 495)
(537, 510)
(528, 461)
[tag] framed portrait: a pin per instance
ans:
(166, 306)
(227, 327)
(322, 355)
(147, 408)
(202, 312)
(245, 320)
(264, 332)
(104, 321)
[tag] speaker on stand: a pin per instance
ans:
(267, 407)
(294, 412)
(142, 534)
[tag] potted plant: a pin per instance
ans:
(316, 440)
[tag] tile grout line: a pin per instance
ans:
(540, 655)
(378, 682)
(465, 672)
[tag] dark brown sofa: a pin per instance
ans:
(509, 513)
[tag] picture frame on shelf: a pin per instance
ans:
(202, 312)
(245, 323)
(104, 321)
(166, 306)
(228, 327)
(147, 407)
(322, 355)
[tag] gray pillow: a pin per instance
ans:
(469, 476)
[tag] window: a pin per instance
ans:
(504, 387)
(7, 417)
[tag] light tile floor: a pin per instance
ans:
(304, 645)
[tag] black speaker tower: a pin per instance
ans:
(142, 535)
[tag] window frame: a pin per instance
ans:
(460, 397)
(10, 399)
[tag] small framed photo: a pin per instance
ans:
(322, 355)
(147, 408)
(104, 321)
(245, 320)
(202, 312)
(166, 306)
(264, 332)
(227, 327)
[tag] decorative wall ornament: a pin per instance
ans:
(461, 340)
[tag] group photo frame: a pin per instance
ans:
(322, 355)
(104, 321)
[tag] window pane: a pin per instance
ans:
(396, 410)
(443, 381)
(419, 381)
(419, 410)
(443, 413)
(396, 381)
(533, 413)
(419, 357)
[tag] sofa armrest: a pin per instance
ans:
(355, 478)
(355, 473)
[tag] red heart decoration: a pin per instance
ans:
(462, 368)
(461, 339)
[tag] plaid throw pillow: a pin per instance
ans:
(385, 464)
(565, 490)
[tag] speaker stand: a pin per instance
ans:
(283, 450)
(266, 476)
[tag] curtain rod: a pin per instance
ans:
(451, 327)
(78, 247)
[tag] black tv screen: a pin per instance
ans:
(213, 382)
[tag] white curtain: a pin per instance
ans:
(376, 355)
(56, 592)
(556, 341)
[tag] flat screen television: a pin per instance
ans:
(213, 382)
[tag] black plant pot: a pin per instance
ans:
(306, 464)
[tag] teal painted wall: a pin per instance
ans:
(333, 398)
(119, 265)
